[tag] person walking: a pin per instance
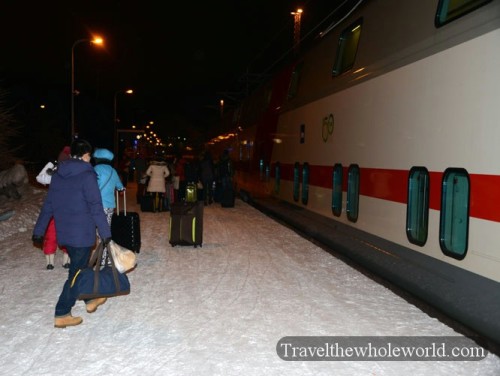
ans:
(226, 170)
(157, 172)
(50, 244)
(124, 167)
(207, 177)
(108, 181)
(180, 178)
(75, 202)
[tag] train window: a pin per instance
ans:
(454, 219)
(449, 10)
(352, 204)
(294, 80)
(296, 181)
(337, 190)
(277, 177)
(417, 210)
(347, 48)
(305, 183)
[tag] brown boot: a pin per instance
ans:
(64, 321)
(94, 303)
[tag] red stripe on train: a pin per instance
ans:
(392, 185)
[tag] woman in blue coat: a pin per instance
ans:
(74, 200)
(107, 180)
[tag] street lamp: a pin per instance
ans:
(115, 119)
(98, 41)
(296, 29)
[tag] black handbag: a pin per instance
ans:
(98, 282)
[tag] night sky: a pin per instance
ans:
(179, 61)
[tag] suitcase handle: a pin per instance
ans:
(118, 202)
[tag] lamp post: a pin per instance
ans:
(296, 29)
(97, 41)
(115, 119)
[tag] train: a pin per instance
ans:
(385, 130)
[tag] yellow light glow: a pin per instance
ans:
(98, 40)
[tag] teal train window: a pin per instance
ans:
(277, 177)
(352, 203)
(347, 48)
(337, 190)
(449, 10)
(417, 210)
(268, 170)
(261, 169)
(296, 181)
(305, 183)
(454, 219)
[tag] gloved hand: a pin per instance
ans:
(105, 242)
(37, 240)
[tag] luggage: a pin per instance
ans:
(168, 197)
(186, 223)
(96, 282)
(125, 227)
(147, 204)
(227, 197)
(191, 192)
(217, 189)
(141, 192)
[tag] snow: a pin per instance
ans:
(216, 310)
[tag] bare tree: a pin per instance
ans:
(9, 128)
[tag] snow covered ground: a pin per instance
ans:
(216, 310)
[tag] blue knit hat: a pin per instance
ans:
(103, 154)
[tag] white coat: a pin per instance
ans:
(157, 172)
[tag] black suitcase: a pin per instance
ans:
(147, 203)
(125, 227)
(186, 223)
(227, 198)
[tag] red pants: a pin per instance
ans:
(50, 240)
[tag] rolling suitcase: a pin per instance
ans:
(227, 197)
(191, 192)
(186, 223)
(147, 203)
(125, 227)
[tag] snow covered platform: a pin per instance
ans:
(216, 310)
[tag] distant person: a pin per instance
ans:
(74, 200)
(157, 172)
(140, 168)
(64, 154)
(207, 175)
(124, 167)
(225, 170)
(108, 181)
(169, 198)
(180, 181)
(50, 245)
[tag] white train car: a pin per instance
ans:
(390, 129)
